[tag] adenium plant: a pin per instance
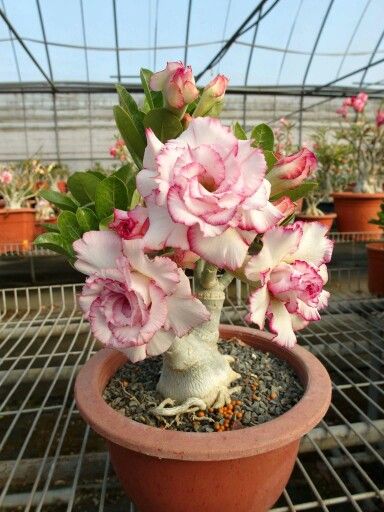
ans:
(204, 198)
(365, 138)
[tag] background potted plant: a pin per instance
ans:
(375, 252)
(210, 200)
(365, 139)
(18, 186)
(332, 174)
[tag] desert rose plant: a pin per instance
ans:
(206, 198)
(365, 138)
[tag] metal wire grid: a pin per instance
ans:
(51, 459)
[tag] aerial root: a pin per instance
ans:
(168, 407)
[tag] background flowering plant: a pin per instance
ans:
(365, 139)
(204, 197)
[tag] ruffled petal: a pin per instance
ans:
(314, 246)
(160, 342)
(258, 305)
(280, 323)
(97, 250)
(227, 250)
(163, 232)
(153, 148)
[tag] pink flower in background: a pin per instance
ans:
(359, 101)
(132, 224)
(133, 303)
(289, 172)
(347, 102)
(291, 271)
(6, 177)
(205, 191)
(380, 118)
(343, 111)
(113, 152)
(177, 83)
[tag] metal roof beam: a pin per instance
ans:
(26, 49)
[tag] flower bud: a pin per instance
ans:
(212, 93)
(289, 172)
(177, 83)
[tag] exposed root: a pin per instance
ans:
(224, 396)
(229, 358)
(190, 405)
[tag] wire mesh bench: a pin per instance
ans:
(51, 460)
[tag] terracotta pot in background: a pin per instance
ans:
(168, 471)
(39, 228)
(326, 219)
(62, 186)
(376, 268)
(17, 229)
(354, 211)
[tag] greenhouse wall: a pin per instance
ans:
(85, 126)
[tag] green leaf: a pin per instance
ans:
(111, 193)
(164, 123)
(82, 186)
(104, 223)
(55, 242)
(133, 135)
(263, 137)
(145, 77)
(87, 219)
(296, 193)
(62, 201)
(215, 110)
(50, 227)
(125, 173)
(239, 132)
(98, 174)
(270, 159)
(69, 227)
(126, 100)
(135, 199)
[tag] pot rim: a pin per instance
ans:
(7, 211)
(330, 215)
(358, 195)
(194, 446)
(375, 246)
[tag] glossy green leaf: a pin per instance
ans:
(126, 100)
(270, 159)
(135, 199)
(145, 77)
(125, 173)
(164, 123)
(82, 186)
(55, 242)
(62, 201)
(69, 227)
(87, 219)
(111, 193)
(239, 132)
(263, 137)
(104, 223)
(133, 135)
(48, 226)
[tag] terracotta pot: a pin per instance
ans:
(326, 219)
(376, 268)
(39, 228)
(168, 471)
(354, 211)
(17, 229)
(62, 186)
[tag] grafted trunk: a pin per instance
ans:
(193, 367)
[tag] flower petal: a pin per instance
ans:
(258, 305)
(160, 342)
(280, 323)
(227, 250)
(314, 246)
(97, 250)
(163, 232)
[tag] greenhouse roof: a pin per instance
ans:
(273, 46)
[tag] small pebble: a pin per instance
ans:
(269, 388)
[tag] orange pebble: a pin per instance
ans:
(217, 427)
(273, 395)
(200, 414)
(210, 409)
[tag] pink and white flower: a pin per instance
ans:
(290, 171)
(177, 83)
(205, 191)
(380, 118)
(291, 271)
(133, 303)
(132, 224)
(6, 177)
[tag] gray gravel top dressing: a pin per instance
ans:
(270, 387)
